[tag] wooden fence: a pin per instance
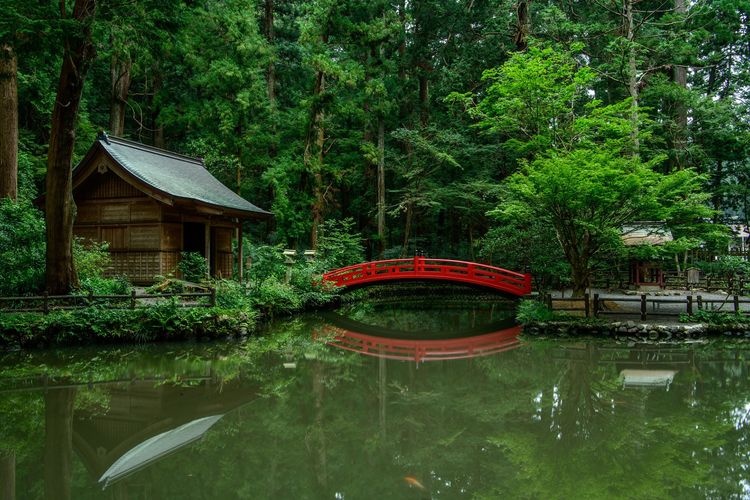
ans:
(46, 303)
(674, 280)
(645, 306)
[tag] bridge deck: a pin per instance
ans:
(424, 268)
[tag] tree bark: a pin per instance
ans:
(632, 76)
(523, 27)
(8, 123)
(681, 112)
(381, 186)
(78, 54)
(120, 74)
(314, 157)
(270, 37)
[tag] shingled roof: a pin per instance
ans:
(175, 178)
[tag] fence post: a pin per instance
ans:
(132, 299)
(690, 305)
(596, 305)
(700, 302)
(548, 300)
(643, 307)
(736, 304)
(45, 302)
(213, 297)
(586, 305)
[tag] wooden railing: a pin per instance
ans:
(644, 306)
(46, 303)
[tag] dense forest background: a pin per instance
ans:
(406, 117)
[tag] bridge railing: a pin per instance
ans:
(429, 268)
(421, 350)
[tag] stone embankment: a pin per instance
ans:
(637, 332)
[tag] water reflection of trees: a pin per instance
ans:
(542, 421)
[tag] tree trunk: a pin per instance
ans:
(424, 99)
(270, 36)
(407, 228)
(523, 27)
(314, 157)
(8, 123)
(157, 125)
(681, 112)
(59, 206)
(58, 443)
(120, 74)
(632, 76)
(580, 276)
(381, 185)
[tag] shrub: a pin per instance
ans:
(193, 266)
(92, 260)
(714, 317)
(530, 311)
(22, 248)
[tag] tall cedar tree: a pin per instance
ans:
(78, 54)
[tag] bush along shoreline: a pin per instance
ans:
(539, 321)
(274, 287)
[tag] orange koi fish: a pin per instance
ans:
(413, 482)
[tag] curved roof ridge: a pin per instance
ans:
(151, 149)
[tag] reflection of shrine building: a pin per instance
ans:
(163, 417)
(645, 366)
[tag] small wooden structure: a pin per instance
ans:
(150, 205)
(646, 273)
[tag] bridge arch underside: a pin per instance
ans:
(509, 292)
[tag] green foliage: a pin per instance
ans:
(267, 262)
(272, 296)
(715, 317)
(22, 248)
(91, 262)
(165, 320)
(531, 311)
(339, 244)
(193, 266)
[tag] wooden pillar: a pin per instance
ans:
(208, 246)
(240, 254)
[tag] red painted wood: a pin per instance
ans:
(425, 268)
(421, 350)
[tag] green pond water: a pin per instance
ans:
(452, 405)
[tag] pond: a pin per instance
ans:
(322, 406)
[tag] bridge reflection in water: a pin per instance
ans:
(389, 344)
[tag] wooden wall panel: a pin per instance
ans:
(115, 212)
(87, 232)
(223, 240)
(171, 237)
(115, 236)
(223, 266)
(106, 185)
(145, 237)
(144, 211)
(169, 261)
(87, 213)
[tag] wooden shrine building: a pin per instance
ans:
(150, 205)
(646, 273)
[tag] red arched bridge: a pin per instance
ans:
(425, 268)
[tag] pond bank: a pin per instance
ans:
(635, 331)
